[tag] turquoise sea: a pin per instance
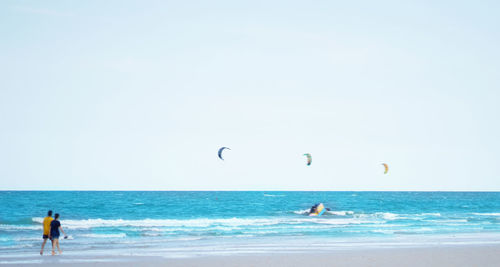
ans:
(183, 223)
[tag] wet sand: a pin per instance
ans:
(466, 255)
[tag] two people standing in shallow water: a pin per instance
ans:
(51, 229)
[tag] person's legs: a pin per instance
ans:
(43, 245)
(54, 246)
(58, 248)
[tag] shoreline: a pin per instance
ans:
(444, 255)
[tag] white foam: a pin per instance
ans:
(383, 231)
(448, 221)
(383, 215)
(388, 215)
(93, 223)
(418, 230)
(120, 235)
(330, 212)
(340, 212)
(9, 227)
(24, 239)
(301, 212)
(151, 234)
(231, 223)
(487, 214)
(245, 235)
(437, 214)
(344, 221)
(37, 220)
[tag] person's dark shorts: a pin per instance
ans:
(54, 237)
(45, 236)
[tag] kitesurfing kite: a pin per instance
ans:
(309, 158)
(386, 167)
(220, 151)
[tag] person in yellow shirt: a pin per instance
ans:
(46, 229)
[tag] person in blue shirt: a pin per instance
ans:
(54, 234)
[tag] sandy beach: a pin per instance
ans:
(476, 255)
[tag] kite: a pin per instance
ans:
(309, 158)
(386, 167)
(220, 151)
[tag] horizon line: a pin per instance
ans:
(232, 190)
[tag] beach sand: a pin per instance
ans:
(466, 255)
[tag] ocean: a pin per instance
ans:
(192, 223)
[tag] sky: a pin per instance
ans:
(140, 95)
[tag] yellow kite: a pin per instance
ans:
(386, 167)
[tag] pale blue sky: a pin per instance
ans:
(140, 95)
